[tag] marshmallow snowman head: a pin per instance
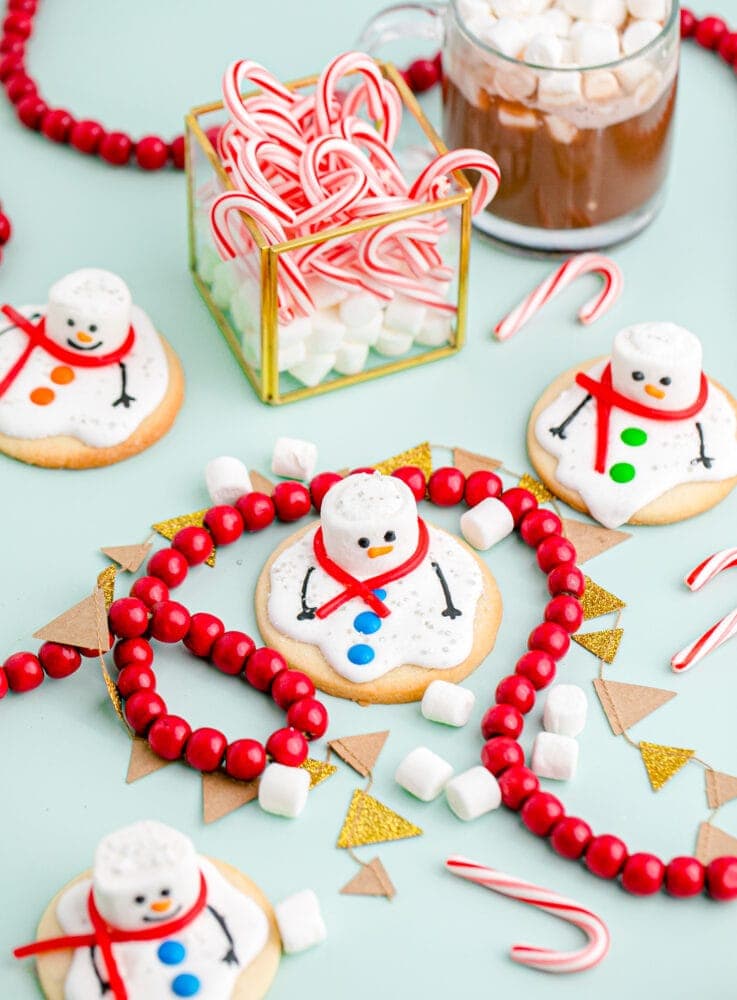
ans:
(369, 523)
(145, 874)
(89, 311)
(657, 364)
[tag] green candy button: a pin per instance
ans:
(622, 472)
(634, 437)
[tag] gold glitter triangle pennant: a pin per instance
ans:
(319, 770)
(420, 455)
(222, 795)
(720, 788)
(128, 557)
(84, 625)
(360, 752)
(604, 644)
(143, 761)
(539, 490)
(172, 525)
(626, 704)
(713, 842)
(591, 540)
(369, 821)
(597, 601)
(662, 762)
(112, 691)
(106, 583)
(372, 880)
(469, 461)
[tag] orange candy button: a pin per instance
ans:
(62, 375)
(42, 396)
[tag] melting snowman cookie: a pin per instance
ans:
(372, 602)
(85, 380)
(642, 437)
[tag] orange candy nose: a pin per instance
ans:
(61, 375)
(652, 390)
(43, 396)
(83, 338)
(379, 550)
(161, 906)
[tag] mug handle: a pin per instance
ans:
(403, 20)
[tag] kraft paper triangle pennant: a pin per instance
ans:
(712, 842)
(372, 880)
(591, 540)
(168, 529)
(222, 795)
(319, 770)
(720, 788)
(260, 483)
(604, 644)
(369, 821)
(470, 461)
(128, 557)
(539, 490)
(597, 601)
(360, 752)
(626, 704)
(84, 625)
(420, 455)
(106, 583)
(143, 761)
(662, 762)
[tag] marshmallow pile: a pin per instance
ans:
(555, 752)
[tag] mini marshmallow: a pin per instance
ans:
(367, 333)
(350, 358)
(648, 90)
(515, 116)
(283, 790)
(469, 9)
(226, 479)
(325, 294)
(294, 458)
(638, 34)
(519, 8)
(648, 10)
(561, 129)
(405, 315)
(313, 369)
(487, 523)
(473, 793)
(594, 44)
(544, 50)
(327, 332)
(245, 308)
(555, 20)
(392, 343)
(300, 921)
(631, 73)
(359, 309)
(515, 83)
(600, 85)
(224, 282)
(292, 355)
(565, 710)
(436, 330)
(294, 332)
(423, 774)
(447, 703)
(612, 12)
(554, 756)
(559, 87)
(508, 36)
(207, 261)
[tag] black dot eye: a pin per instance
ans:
(165, 892)
(390, 536)
(666, 381)
(140, 899)
(364, 542)
(92, 328)
(70, 322)
(638, 376)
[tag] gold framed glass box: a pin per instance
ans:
(337, 345)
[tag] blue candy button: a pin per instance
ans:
(185, 985)
(361, 654)
(367, 623)
(380, 593)
(171, 953)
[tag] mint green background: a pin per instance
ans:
(141, 65)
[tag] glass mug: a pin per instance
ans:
(583, 151)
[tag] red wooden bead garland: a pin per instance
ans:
(606, 855)
(59, 661)
(414, 477)
(570, 837)
(500, 753)
(481, 485)
(684, 877)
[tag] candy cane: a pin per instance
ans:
(560, 278)
(712, 639)
(433, 179)
(259, 76)
(544, 959)
(710, 568)
(325, 91)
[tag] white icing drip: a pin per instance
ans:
(416, 632)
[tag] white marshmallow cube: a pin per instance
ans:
(226, 479)
(326, 294)
(515, 116)
(350, 358)
(405, 315)
(367, 333)
(600, 85)
(565, 710)
(487, 523)
(436, 330)
(554, 756)
(648, 10)
(515, 83)
(447, 703)
(559, 87)
(207, 261)
(612, 12)
(561, 129)
(507, 35)
(313, 369)
(359, 309)
(327, 332)
(224, 281)
(638, 34)
(300, 921)
(557, 21)
(392, 343)
(423, 774)
(294, 332)
(294, 458)
(283, 790)
(544, 50)
(594, 44)
(473, 793)
(518, 8)
(291, 355)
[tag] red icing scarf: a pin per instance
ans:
(607, 397)
(105, 936)
(37, 337)
(364, 589)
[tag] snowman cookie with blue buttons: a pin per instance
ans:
(641, 437)
(372, 602)
(85, 380)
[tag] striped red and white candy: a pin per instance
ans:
(544, 959)
(561, 278)
(712, 639)
(710, 568)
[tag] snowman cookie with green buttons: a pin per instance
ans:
(641, 437)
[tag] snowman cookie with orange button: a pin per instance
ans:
(85, 380)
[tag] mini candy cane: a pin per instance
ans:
(544, 959)
(707, 643)
(710, 568)
(259, 76)
(562, 277)
(325, 91)
(433, 179)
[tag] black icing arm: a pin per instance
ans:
(307, 613)
(560, 430)
(104, 987)
(450, 611)
(230, 957)
(123, 398)
(702, 458)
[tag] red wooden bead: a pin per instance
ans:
(287, 746)
(688, 23)
(18, 86)
(150, 590)
(309, 716)
(721, 878)
(27, 7)
(606, 855)
(257, 511)
(231, 650)
(18, 23)
(518, 502)
(643, 874)
(566, 579)
(194, 543)
(541, 812)
(59, 661)
(362, 469)
(5, 229)
(10, 64)
(115, 148)
(23, 671)
(129, 651)
(204, 631)
(710, 31)
(502, 720)
(30, 110)
(517, 784)
(538, 525)
(446, 486)
(151, 153)
(570, 837)
(423, 75)
(537, 667)
(684, 876)
(554, 550)
(169, 621)
(319, 485)
(128, 617)
(168, 735)
(135, 677)
(481, 485)
(262, 666)
(290, 686)
(12, 45)
(551, 639)
(413, 477)
(3, 682)
(205, 749)
(292, 501)
(499, 753)
(56, 125)
(168, 565)
(516, 690)
(86, 136)
(727, 47)
(245, 760)
(565, 611)
(143, 708)
(224, 523)
(177, 151)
